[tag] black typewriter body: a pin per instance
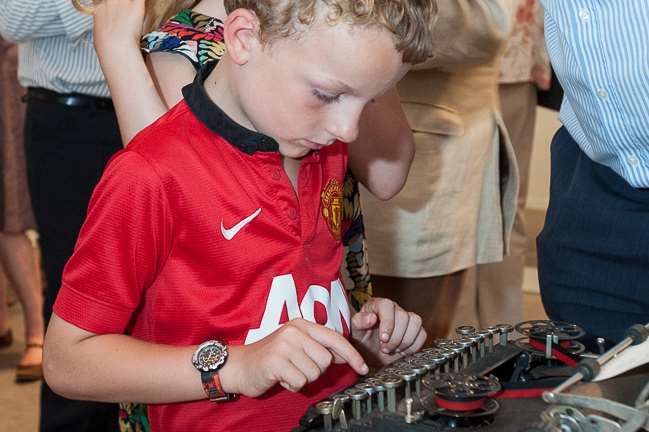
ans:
(483, 380)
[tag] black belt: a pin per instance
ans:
(70, 99)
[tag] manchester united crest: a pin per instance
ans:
(332, 206)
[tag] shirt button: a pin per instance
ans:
(633, 161)
(602, 94)
(275, 174)
(292, 214)
(584, 14)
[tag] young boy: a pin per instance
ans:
(213, 240)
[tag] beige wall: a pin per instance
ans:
(547, 124)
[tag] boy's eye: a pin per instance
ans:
(326, 98)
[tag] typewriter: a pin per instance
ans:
(500, 378)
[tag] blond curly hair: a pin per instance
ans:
(409, 21)
(157, 12)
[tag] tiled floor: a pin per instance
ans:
(18, 402)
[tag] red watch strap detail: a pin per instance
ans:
(213, 388)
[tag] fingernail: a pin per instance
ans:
(385, 337)
(398, 350)
(364, 369)
(385, 350)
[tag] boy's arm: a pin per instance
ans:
(113, 368)
(24, 20)
(381, 156)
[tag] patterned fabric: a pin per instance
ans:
(525, 58)
(197, 37)
(16, 213)
(354, 242)
(133, 418)
(599, 53)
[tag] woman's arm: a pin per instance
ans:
(170, 72)
(381, 156)
(468, 32)
(139, 99)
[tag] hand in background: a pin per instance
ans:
(383, 332)
(117, 26)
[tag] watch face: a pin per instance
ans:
(210, 356)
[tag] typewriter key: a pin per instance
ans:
(357, 396)
(391, 384)
(379, 388)
(325, 409)
(504, 330)
(464, 331)
(369, 389)
(493, 331)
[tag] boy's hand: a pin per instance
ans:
(384, 332)
(295, 354)
(117, 24)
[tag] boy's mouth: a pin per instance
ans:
(313, 145)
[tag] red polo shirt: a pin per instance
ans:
(195, 233)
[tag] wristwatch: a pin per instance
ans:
(209, 358)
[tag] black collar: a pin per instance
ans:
(217, 121)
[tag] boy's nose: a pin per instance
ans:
(345, 128)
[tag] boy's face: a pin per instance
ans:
(309, 92)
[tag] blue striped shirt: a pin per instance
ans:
(56, 49)
(600, 52)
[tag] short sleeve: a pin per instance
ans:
(121, 248)
(197, 37)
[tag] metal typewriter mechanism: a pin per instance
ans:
(488, 379)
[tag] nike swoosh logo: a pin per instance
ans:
(229, 233)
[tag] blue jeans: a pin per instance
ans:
(593, 252)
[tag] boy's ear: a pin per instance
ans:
(241, 35)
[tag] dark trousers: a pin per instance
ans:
(66, 151)
(593, 252)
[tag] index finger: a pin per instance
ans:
(337, 344)
(385, 311)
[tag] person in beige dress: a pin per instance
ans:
(457, 208)
(525, 68)
(18, 258)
